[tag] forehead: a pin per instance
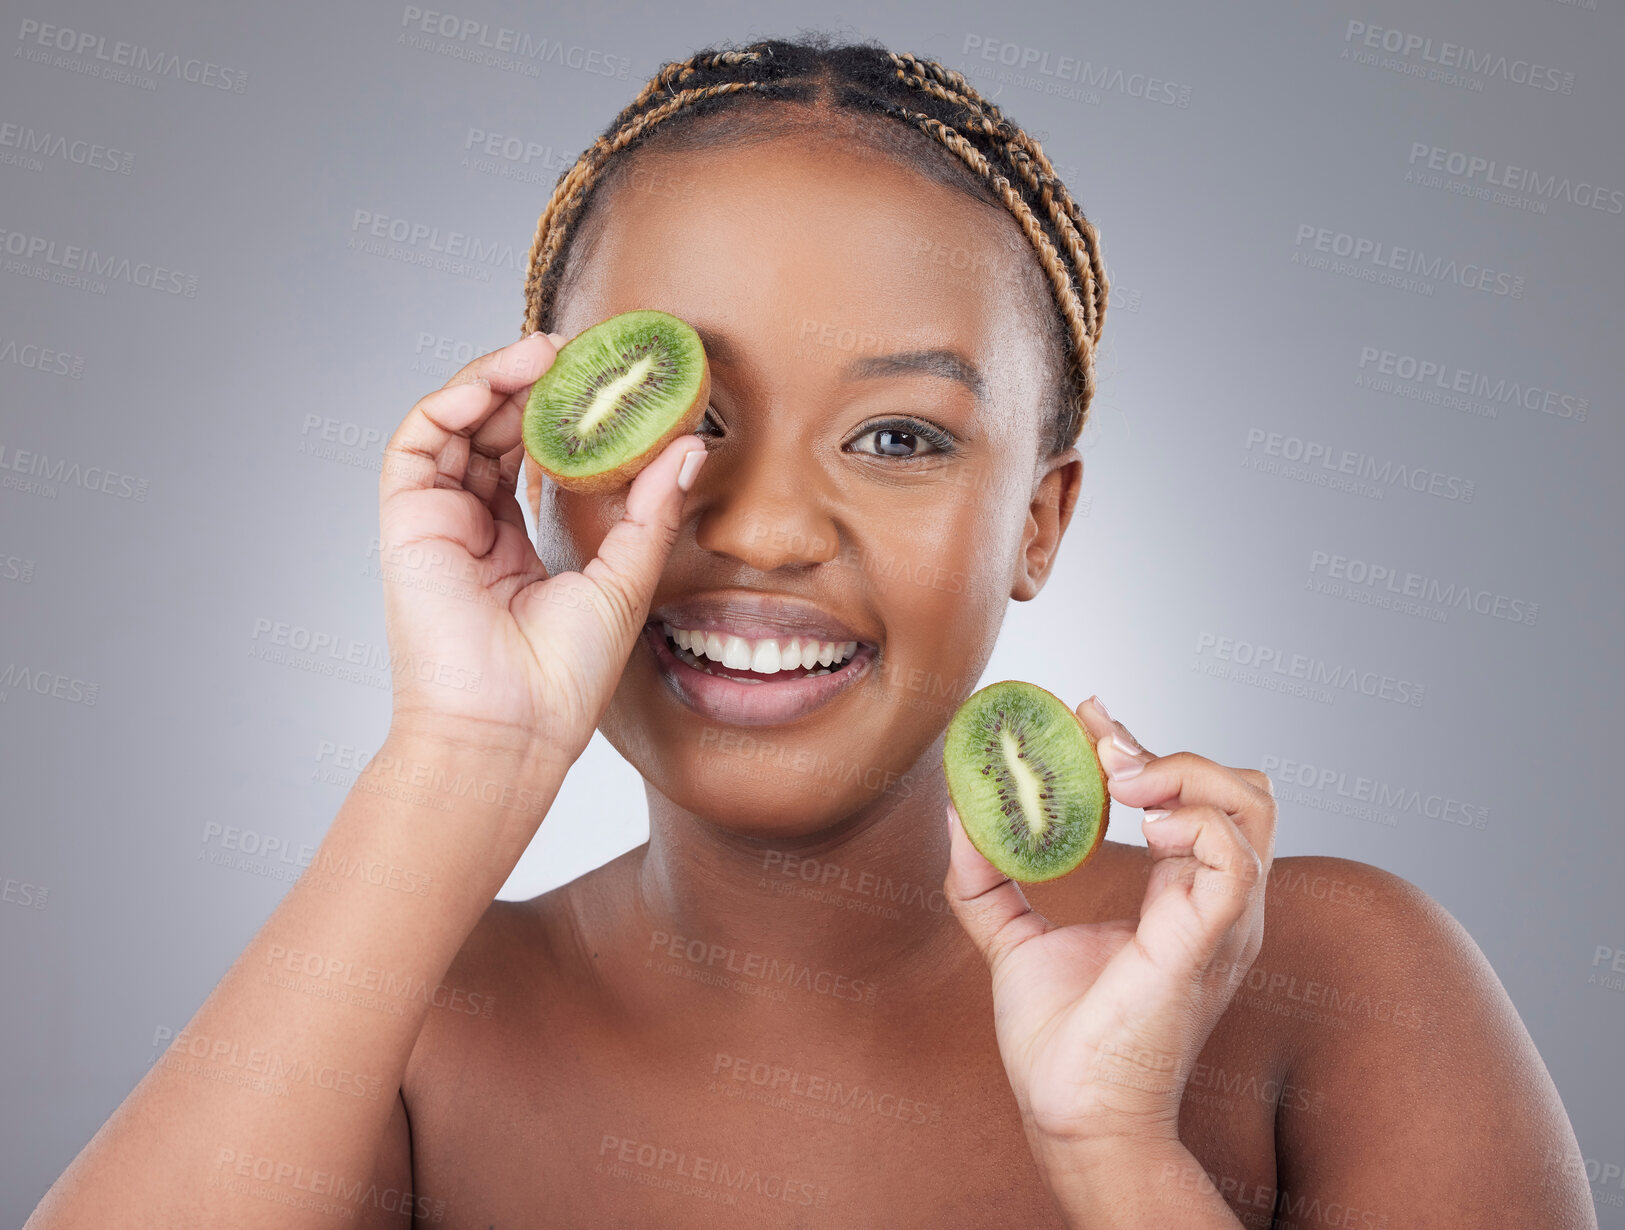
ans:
(802, 238)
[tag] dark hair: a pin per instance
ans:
(968, 143)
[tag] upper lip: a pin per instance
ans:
(754, 615)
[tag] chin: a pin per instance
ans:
(754, 783)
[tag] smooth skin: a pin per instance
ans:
(1191, 1034)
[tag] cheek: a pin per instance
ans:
(961, 531)
(943, 592)
(943, 575)
(570, 527)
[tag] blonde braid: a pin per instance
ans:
(1021, 150)
(1073, 310)
(679, 70)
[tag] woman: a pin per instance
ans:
(807, 1000)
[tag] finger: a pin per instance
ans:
(480, 405)
(1258, 779)
(1205, 878)
(511, 367)
(413, 454)
(1136, 777)
(498, 436)
(512, 372)
(1174, 780)
(1181, 779)
(1120, 753)
(633, 554)
(1092, 713)
(988, 903)
(461, 407)
(504, 500)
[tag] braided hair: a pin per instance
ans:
(1005, 167)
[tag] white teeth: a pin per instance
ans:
(763, 657)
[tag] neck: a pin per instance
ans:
(860, 899)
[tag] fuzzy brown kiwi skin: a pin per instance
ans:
(1105, 809)
(621, 475)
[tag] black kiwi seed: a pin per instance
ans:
(1022, 773)
(613, 397)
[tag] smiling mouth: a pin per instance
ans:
(757, 681)
(766, 660)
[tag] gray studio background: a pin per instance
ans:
(1257, 172)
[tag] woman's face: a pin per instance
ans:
(879, 394)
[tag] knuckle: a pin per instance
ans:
(472, 370)
(1189, 766)
(1258, 779)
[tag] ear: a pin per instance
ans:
(1047, 518)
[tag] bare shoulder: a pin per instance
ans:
(1350, 930)
(521, 962)
(1419, 1098)
(1436, 1107)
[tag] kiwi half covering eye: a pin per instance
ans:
(1022, 773)
(615, 396)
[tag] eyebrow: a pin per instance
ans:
(944, 364)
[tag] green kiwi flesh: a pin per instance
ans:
(1023, 775)
(616, 394)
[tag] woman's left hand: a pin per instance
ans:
(1099, 1024)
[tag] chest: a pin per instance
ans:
(750, 1122)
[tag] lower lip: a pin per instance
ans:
(769, 703)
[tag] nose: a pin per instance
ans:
(764, 507)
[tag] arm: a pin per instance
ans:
(501, 675)
(1439, 1111)
(187, 1147)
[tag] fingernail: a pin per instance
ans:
(558, 339)
(1134, 766)
(1156, 813)
(1130, 749)
(1101, 705)
(1126, 740)
(691, 466)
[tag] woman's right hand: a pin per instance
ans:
(483, 642)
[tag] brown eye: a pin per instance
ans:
(895, 443)
(906, 438)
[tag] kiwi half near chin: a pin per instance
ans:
(616, 394)
(1023, 775)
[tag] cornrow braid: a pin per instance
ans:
(1009, 165)
(1021, 150)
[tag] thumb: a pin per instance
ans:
(633, 553)
(988, 903)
